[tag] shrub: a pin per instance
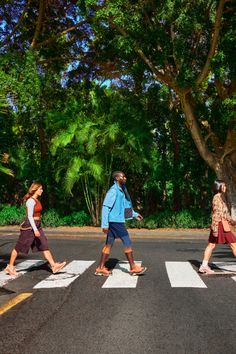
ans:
(51, 218)
(169, 219)
(11, 215)
(184, 219)
(79, 218)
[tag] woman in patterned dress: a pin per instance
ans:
(220, 231)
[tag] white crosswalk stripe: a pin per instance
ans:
(226, 267)
(182, 275)
(21, 269)
(121, 278)
(66, 276)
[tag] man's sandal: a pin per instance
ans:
(137, 270)
(103, 272)
(57, 267)
(10, 270)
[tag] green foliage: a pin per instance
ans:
(188, 219)
(60, 126)
(11, 215)
(79, 218)
(51, 218)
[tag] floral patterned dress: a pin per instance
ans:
(220, 211)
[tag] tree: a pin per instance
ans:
(4, 156)
(103, 129)
(187, 46)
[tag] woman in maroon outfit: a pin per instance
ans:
(31, 233)
(220, 231)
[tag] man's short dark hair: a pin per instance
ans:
(116, 174)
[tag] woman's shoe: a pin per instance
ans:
(11, 270)
(57, 267)
(205, 270)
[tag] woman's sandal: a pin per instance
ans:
(57, 267)
(10, 270)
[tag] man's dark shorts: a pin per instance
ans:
(118, 230)
(28, 240)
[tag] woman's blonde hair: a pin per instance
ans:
(32, 189)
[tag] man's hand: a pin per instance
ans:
(36, 233)
(105, 230)
(139, 217)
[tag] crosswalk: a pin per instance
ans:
(179, 274)
(182, 275)
(67, 275)
(21, 268)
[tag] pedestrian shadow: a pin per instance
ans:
(223, 254)
(194, 263)
(111, 263)
(4, 291)
(43, 266)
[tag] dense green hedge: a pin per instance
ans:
(12, 215)
(169, 219)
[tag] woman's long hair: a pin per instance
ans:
(32, 189)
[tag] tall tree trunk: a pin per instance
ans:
(223, 160)
(176, 156)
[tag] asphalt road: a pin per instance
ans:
(153, 317)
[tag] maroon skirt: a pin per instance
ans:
(28, 240)
(223, 237)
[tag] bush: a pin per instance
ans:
(184, 219)
(169, 219)
(11, 215)
(51, 218)
(78, 218)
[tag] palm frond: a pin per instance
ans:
(95, 168)
(73, 173)
(6, 171)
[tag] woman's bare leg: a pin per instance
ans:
(13, 257)
(55, 266)
(208, 251)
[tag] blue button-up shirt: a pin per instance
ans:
(114, 204)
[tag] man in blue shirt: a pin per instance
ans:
(117, 207)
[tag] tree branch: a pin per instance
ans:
(226, 153)
(62, 58)
(192, 124)
(159, 75)
(17, 25)
(214, 42)
(39, 23)
(52, 39)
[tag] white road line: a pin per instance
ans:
(226, 267)
(182, 275)
(21, 269)
(66, 276)
(121, 278)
